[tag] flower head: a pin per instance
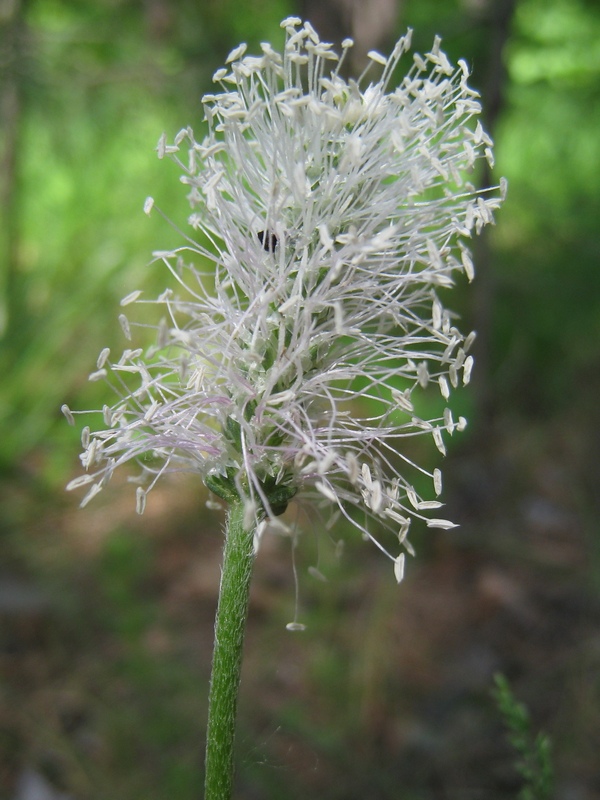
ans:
(327, 215)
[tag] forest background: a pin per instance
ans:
(106, 618)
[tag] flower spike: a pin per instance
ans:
(325, 216)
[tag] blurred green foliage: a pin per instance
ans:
(98, 83)
(547, 238)
(534, 763)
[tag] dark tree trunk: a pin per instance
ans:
(370, 23)
(12, 77)
(495, 32)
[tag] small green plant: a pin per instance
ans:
(534, 762)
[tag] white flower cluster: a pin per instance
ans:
(327, 215)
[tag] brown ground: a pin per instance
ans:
(105, 650)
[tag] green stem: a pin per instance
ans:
(230, 624)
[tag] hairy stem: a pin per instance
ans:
(230, 625)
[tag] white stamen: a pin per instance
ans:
(236, 53)
(97, 376)
(439, 442)
(131, 297)
(140, 500)
(295, 626)
(377, 57)
(124, 323)
(444, 388)
(317, 574)
(102, 358)
(437, 481)
(467, 368)
(444, 524)
(399, 567)
(326, 491)
(82, 480)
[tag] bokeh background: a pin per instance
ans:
(106, 618)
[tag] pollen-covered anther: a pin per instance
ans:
(295, 626)
(444, 524)
(467, 369)
(140, 498)
(291, 22)
(375, 497)
(236, 53)
(130, 298)
(403, 400)
(325, 464)
(444, 388)
(317, 574)
(352, 467)
(326, 491)
(399, 563)
(449, 421)
(81, 480)
(125, 327)
(96, 488)
(68, 414)
(103, 358)
(393, 514)
(439, 442)
(418, 504)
